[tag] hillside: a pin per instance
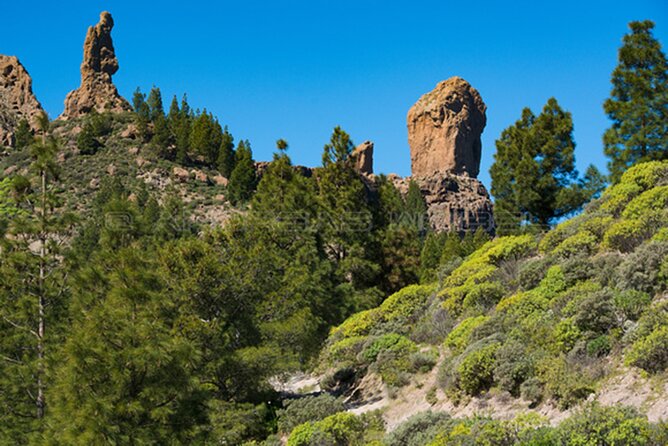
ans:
(525, 325)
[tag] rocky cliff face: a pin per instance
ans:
(363, 155)
(97, 91)
(444, 128)
(17, 100)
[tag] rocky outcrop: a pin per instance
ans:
(17, 100)
(97, 91)
(363, 155)
(454, 202)
(444, 128)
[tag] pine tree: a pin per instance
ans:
(23, 135)
(226, 154)
(154, 102)
(206, 138)
(243, 178)
(638, 103)
(347, 221)
(534, 172)
(162, 139)
(126, 375)
(416, 208)
(142, 114)
(180, 123)
(32, 294)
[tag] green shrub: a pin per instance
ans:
(582, 242)
(514, 365)
(309, 408)
(532, 272)
(651, 352)
(566, 333)
(388, 342)
(596, 313)
(567, 383)
(419, 429)
(650, 201)
(598, 425)
(626, 235)
(423, 361)
(476, 370)
(345, 350)
(460, 336)
(405, 304)
(342, 428)
(532, 390)
(359, 324)
(631, 303)
(642, 270)
(599, 346)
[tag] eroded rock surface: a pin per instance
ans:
(97, 90)
(444, 128)
(17, 100)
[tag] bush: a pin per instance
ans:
(599, 346)
(651, 352)
(309, 408)
(641, 270)
(419, 429)
(459, 338)
(532, 272)
(359, 324)
(582, 242)
(403, 305)
(631, 303)
(563, 381)
(514, 365)
(388, 342)
(476, 370)
(343, 428)
(423, 361)
(596, 313)
(532, 390)
(599, 425)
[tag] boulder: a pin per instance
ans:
(97, 91)
(444, 128)
(17, 100)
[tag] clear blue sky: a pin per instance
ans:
(295, 69)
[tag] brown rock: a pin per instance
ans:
(130, 132)
(200, 176)
(17, 101)
(454, 202)
(363, 155)
(99, 63)
(220, 180)
(444, 128)
(181, 174)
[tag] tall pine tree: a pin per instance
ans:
(638, 103)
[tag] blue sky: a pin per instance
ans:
(295, 69)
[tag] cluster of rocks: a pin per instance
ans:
(17, 100)
(444, 128)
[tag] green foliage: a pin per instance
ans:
(476, 370)
(206, 138)
(534, 180)
(419, 429)
(460, 336)
(307, 409)
(636, 106)
(651, 352)
(340, 429)
(23, 135)
(86, 140)
(403, 305)
(243, 179)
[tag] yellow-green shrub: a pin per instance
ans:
(652, 200)
(460, 336)
(359, 324)
(651, 352)
(403, 304)
(582, 242)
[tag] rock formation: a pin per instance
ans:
(444, 128)
(17, 100)
(363, 155)
(99, 63)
